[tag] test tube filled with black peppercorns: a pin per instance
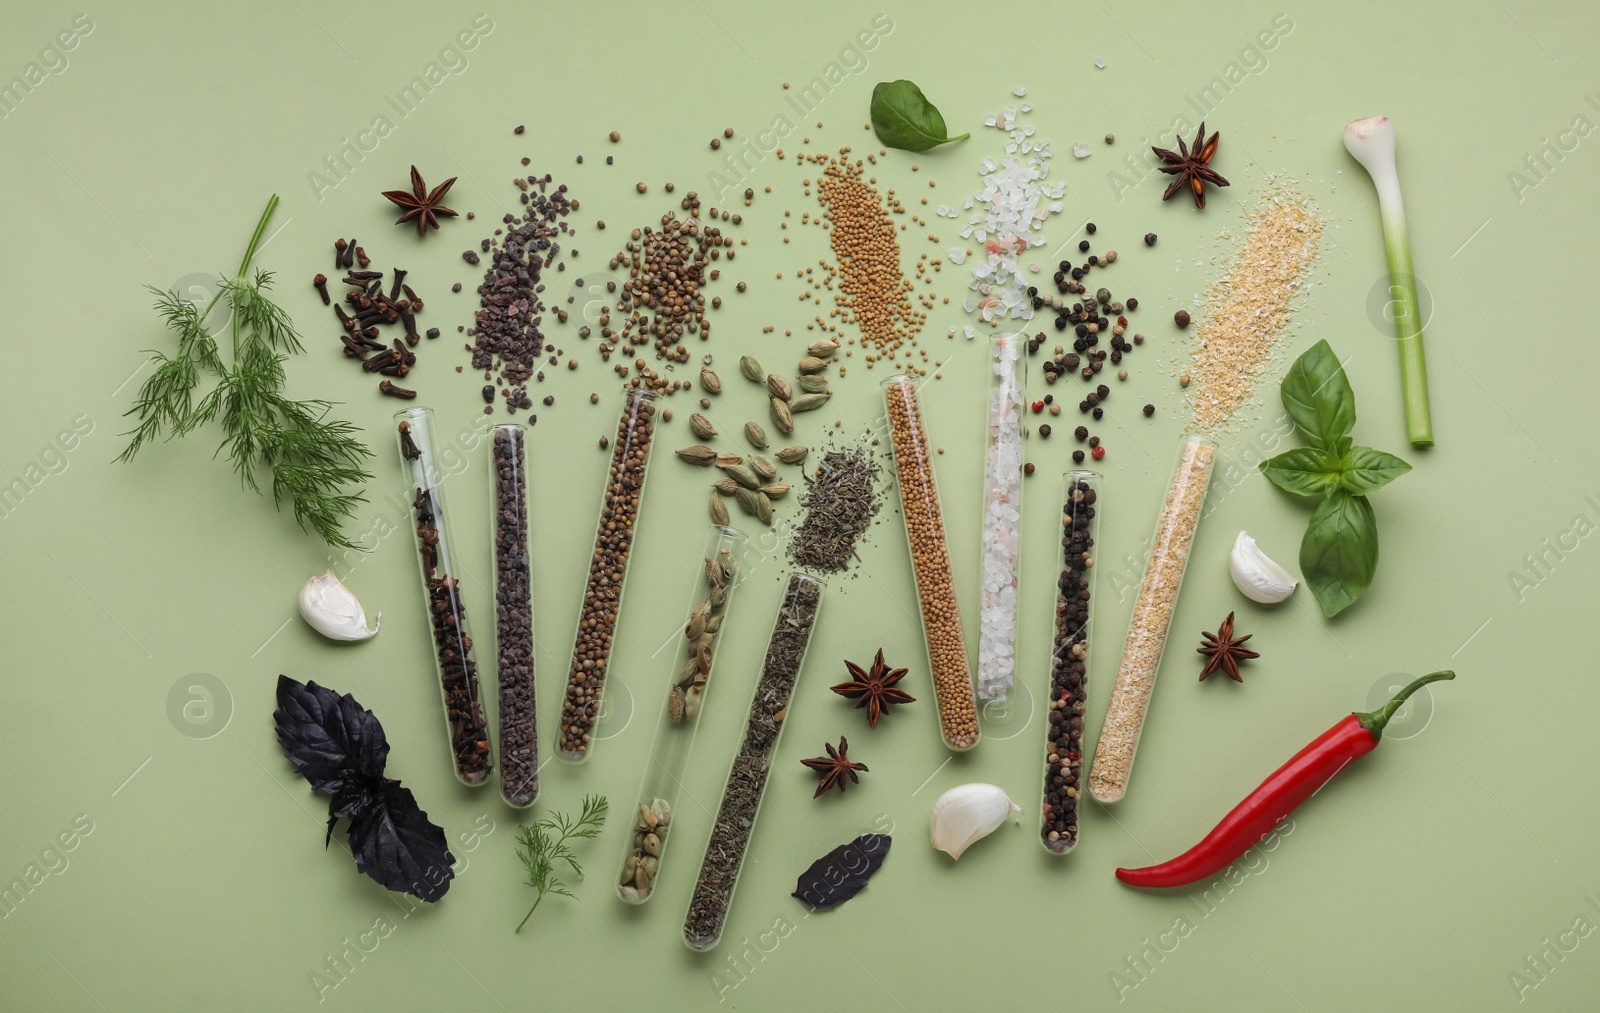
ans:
(608, 569)
(452, 641)
(716, 576)
(747, 779)
(1069, 662)
(513, 617)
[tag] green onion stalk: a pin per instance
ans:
(1371, 142)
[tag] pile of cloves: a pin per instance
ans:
(370, 309)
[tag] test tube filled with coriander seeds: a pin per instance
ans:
(608, 571)
(1069, 661)
(513, 620)
(1152, 615)
(747, 779)
(930, 562)
(447, 616)
(1002, 522)
(716, 576)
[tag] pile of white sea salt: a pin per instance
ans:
(1007, 215)
(1002, 512)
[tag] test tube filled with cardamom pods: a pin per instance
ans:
(1069, 662)
(747, 780)
(716, 576)
(930, 562)
(608, 571)
(513, 617)
(1152, 616)
(447, 616)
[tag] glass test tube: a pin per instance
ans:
(1002, 522)
(608, 569)
(1152, 614)
(458, 673)
(1069, 662)
(715, 578)
(513, 620)
(930, 560)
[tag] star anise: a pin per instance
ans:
(1224, 651)
(834, 767)
(874, 689)
(1191, 166)
(421, 206)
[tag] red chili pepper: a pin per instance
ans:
(1277, 796)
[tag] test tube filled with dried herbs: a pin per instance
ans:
(452, 641)
(608, 569)
(1152, 615)
(741, 797)
(1069, 662)
(513, 619)
(930, 561)
(682, 693)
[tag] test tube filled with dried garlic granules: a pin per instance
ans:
(1152, 614)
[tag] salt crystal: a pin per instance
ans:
(1100, 64)
(1080, 149)
(1019, 92)
(957, 256)
(1027, 107)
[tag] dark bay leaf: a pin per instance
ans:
(841, 873)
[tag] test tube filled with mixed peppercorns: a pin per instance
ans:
(1069, 662)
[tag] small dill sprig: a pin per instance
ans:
(316, 462)
(543, 844)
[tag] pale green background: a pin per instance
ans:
(1420, 880)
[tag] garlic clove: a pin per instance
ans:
(333, 611)
(967, 813)
(1258, 577)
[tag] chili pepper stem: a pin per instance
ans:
(1374, 721)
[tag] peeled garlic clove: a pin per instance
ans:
(332, 610)
(966, 813)
(1257, 577)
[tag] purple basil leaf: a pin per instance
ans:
(329, 738)
(349, 801)
(394, 843)
(841, 873)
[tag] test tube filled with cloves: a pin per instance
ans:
(513, 618)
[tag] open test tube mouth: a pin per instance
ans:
(747, 777)
(1170, 545)
(594, 640)
(948, 665)
(698, 638)
(457, 672)
(1069, 660)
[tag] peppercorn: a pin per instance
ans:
(1027, 469)
(615, 137)
(1049, 399)
(1122, 374)
(1094, 441)
(1133, 304)
(740, 286)
(1149, 410)
(1082, 433)
(640, 186)
(1083, 247)
(716, 142)
(1111, 256)
(1038, 406)
(1103, 391)
(1044, 431)
(1181, 318)
(549, 399)
(1089, 228)
(1111, 138)
(1138, 338)
(1077, 457)
(1098, 453)
(1098, 413)
(1149, 239)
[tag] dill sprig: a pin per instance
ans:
(312, 458)
(543, 844)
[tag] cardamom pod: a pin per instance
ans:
(701, 426)
(719, 512)
(691, 705)
(812, 364)
(713, 573)
(746, 498)
(822, 349)
(675, 704)
(710, 381)
(792, 455)
(714, 625)
(697, 620)
(808, 402)
(756, 435)
(723, 460)
(774, 490)
(741, 474)
(763, 508)
(725, 486)
(779, 387)
(762, 465)
(813, 384)
(697, 454)
(751, 369)
(780, 415)
(729, 565)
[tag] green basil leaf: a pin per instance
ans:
(902, 117)
(1308, 471)
(1318, 397)
(1364, 469)
(1339, 554)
